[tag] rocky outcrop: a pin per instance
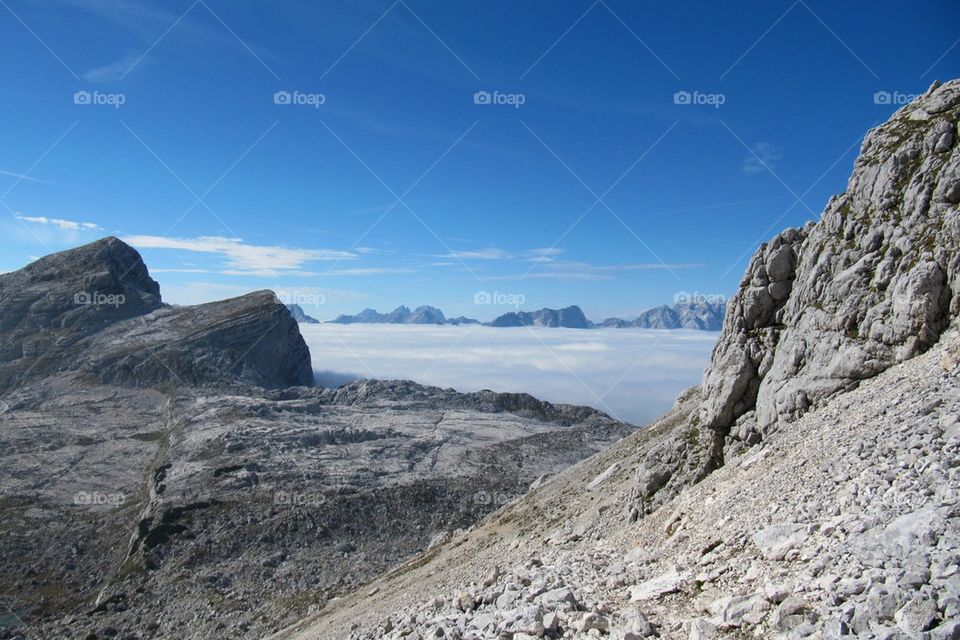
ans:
(820, 309)
(96, 309)
(570, 317)
(873, 283)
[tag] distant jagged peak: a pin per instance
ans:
(423, 314)
(569, 317)
(300, 315)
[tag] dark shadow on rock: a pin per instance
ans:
(333, 379)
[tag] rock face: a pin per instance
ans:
(251, 339)
(298, 314)
(166, 467)
(570, 317)
(820, 309)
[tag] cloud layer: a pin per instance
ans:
(633, 374)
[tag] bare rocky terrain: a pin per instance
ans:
(168, 471)
(809, 488)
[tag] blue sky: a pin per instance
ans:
(382, 181)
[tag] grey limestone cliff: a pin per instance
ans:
(871, 284)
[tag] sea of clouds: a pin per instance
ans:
(632, 374)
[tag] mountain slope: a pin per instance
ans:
(743, 519)
(785, 540)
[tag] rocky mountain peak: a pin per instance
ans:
(871, 284)
(96, 309)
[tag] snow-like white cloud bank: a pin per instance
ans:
(633, 374)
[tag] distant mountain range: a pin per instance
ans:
(570, 317)
(700, 314)
(402, 315)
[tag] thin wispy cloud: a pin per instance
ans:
(763, 158)
(60, 223)
(584, 272)
(241, 258)
(494, 253)
(491, 253)
(112, 71)
(369, 271)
